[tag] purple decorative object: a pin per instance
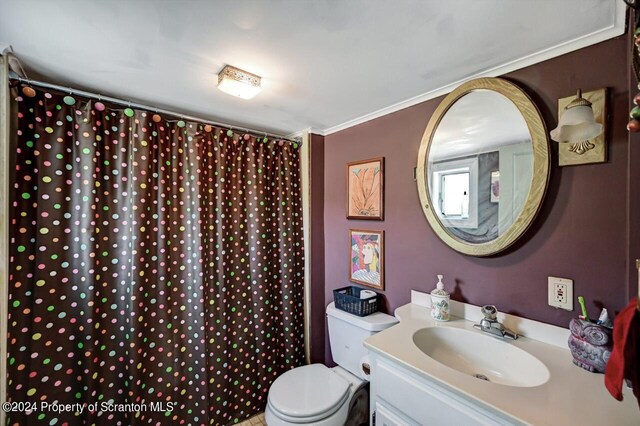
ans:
(590, 345)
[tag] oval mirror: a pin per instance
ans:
(483, 166)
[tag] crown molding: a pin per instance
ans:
(309, 130)
(606, 33)
(5, 48)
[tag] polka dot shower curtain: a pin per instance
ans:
(156, 267)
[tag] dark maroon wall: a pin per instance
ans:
(634, 186)
(316, 170)
(582, 231)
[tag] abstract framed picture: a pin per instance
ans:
(365, 189)
(366, 258)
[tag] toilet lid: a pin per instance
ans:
(310, 391)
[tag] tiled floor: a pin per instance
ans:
(254, 421)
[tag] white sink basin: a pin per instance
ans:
(482, 356)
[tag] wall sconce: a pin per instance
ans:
(581, 128)
(237, 82)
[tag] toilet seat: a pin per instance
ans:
(308, 394)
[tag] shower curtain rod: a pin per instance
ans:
(13, 76)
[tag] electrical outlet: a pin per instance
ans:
(561, 293)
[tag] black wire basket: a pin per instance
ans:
(348, 299)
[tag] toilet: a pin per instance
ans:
(322, 396)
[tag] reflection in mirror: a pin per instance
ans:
(483, 166)
(480, 166)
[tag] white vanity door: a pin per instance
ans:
(386, 417)
(403, 395)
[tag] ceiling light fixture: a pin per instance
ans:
(237, 82)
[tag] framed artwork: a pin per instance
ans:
(495, 187)
(365, 189)
(366, 258)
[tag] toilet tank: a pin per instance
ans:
(347, 333)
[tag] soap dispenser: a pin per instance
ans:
(440, 302)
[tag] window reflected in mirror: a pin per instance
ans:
(454, 202)
(455, 190)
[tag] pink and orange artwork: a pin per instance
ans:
(366, 258)
(365, 189)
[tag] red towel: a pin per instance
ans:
(624, 362)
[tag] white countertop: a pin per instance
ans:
(572, 396)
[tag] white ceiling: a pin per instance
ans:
(480, 121)
(325, 64)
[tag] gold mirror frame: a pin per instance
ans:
(541, 162)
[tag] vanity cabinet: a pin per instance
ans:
(400, 397)
(425, 372)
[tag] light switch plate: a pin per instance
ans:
(560, 293)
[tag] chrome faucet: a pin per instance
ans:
(489, 324)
